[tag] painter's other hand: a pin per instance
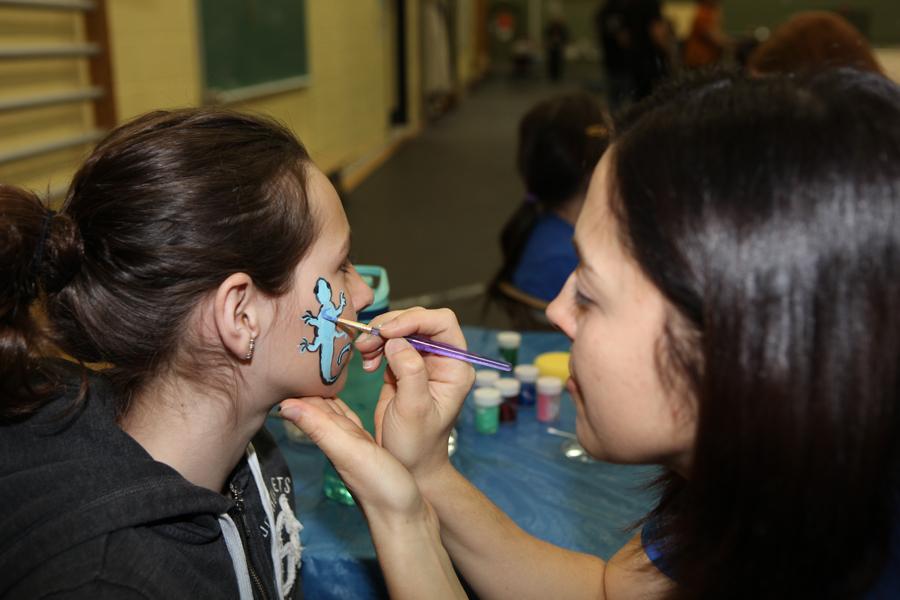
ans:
(379, 483)
(423, 393)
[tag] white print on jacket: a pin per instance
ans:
(287, 534)
(285, 543)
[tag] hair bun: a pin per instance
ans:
(62, 253)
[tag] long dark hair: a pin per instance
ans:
(560, 142)
(165, 208)
(768, 214)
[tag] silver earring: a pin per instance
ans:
(249, 354)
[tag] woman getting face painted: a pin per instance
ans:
(193, 274)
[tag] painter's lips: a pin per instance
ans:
(572, 383)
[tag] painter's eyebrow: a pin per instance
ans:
(577, 250)
(582, 264)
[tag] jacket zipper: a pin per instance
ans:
(238, 511)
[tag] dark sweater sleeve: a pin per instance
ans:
(100, 590)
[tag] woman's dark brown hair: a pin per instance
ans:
(165, 208)
(767, 212)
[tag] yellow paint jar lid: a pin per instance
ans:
(553, 364)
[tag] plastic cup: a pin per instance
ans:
(553, 363)
(487, 410)
(509, 391)
(549, 390)
(509, 342)
(527, 376)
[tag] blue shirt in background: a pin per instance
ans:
(548, 258)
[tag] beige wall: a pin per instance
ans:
(19, 79)
(155, 55)
(341, 116)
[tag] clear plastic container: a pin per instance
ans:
(361, 389)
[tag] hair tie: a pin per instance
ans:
(531, 198)
(42, 243)
(597, 130)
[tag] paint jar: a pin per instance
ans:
(549, 390)
(509, 391)
(527, 376)
(487, 409)
(508, 342)
(486, 378)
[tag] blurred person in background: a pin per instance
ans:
(650, 61)
(560, 141)
(705, 45)
(813, 41)
(556, 38)
(615, 40)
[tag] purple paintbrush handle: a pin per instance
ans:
(423, 344)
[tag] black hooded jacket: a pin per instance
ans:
(87, 513)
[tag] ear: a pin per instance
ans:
(236, 314)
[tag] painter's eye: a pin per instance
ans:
(581, 300)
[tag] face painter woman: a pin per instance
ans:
(182, 267)
(735, 318)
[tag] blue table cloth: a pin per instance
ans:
(582, 506)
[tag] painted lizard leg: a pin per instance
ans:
(307, 346)
(344, 352)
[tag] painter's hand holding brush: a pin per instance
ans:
(417, 407)
(422, 393)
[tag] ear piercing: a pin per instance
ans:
(249, 355)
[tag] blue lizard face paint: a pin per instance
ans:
(326, 333)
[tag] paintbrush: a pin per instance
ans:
(423, 344)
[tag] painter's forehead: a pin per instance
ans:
(595, 215)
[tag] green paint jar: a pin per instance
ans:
(508, 342)
(487, 410)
